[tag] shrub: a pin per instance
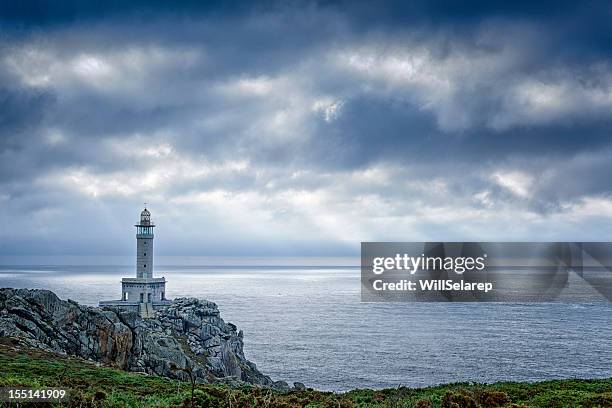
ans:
(424, 403)
(491, 399)
(458, 400)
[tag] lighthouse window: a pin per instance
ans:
(145, 265)
(145, 254)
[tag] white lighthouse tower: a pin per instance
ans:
(144, 293)
(144, 245)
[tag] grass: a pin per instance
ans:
(94, 386)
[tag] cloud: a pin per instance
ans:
(517, 182)
(485, 84)
(303, 129)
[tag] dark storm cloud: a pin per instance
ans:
(397, 130)
(21, 110)
(309, 117)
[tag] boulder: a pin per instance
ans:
(188, 337)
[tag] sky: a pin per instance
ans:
(302, 128)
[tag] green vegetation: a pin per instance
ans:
(94, 386)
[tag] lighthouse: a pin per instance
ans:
(144, 245)
(144, 293)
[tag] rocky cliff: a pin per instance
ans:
(187, 338)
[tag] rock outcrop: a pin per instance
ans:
(188, 338)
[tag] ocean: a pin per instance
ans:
(303, 321)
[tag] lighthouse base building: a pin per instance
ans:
(144, 293)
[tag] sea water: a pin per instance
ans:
(306, 323)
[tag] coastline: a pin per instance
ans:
(298, 358)
(107, 358)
